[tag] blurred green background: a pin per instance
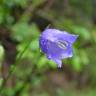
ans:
(24, 69)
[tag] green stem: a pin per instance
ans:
(17, 62)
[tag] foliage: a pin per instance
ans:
(77, 18)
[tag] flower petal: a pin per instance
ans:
(53, 34)
(43, 44)
(57, 44)
(55, 51)
(58, 62)
(68, 53)
(67, 37)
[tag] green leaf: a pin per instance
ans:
(81, 31)
(35, 3)
(22, 31)
(76, 63)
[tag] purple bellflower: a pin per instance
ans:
(57, 44)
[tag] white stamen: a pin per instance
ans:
(62, 44)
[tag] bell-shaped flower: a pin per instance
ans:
(57, 44)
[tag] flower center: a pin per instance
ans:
(62, 44)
